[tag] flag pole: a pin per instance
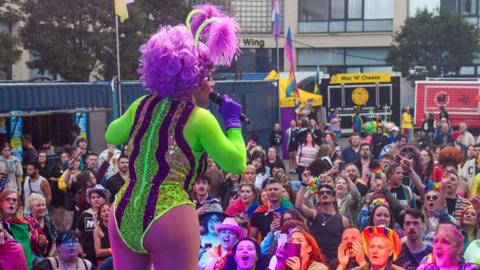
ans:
(119, 81)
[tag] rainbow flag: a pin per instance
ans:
(276, 17)
(121, 9)
(289, 48)
(292, 87)
(316, 89)
(291, 84)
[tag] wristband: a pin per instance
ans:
(303, 184)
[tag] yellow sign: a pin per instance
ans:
(361, 78)
(16, 142)
(360, 96)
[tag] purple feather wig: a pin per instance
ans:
(173, 65)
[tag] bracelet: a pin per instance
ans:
(303, 184)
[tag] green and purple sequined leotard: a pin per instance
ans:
(162, 168)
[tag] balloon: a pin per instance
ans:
(389, 126)
(368, 127)
(374, 126)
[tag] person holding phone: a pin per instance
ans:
(301, 252)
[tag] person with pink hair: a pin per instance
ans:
(447, 250)
(168, 137)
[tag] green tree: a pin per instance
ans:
(66, 37)
(76, 39)
(433, 44)
(145, 17)
(10, 52)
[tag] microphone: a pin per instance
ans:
(218, 99)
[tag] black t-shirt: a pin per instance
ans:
(451, 205)
(30, 155)
(262, 221)
(58, 195)
(114, 184)
(400, 193)
(409, 260)
(43, 171)
(86, 225)
(362, 188)
(71, 196)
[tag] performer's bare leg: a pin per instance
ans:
(173, 241)
(123, 257)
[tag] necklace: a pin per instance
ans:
(325, 222)
(65, 266)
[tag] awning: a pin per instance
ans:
(289, 102)
(47, 98)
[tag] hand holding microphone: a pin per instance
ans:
(230, 111)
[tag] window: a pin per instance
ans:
(325, 57)
(254, 16)
(355, 9)
(337, 10)
(468, 7)
(319, 16)
(415, 5)
(313, 10)
(366, 56)
(372, 8)
(344, 59)
(450, 5)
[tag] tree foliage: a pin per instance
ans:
(76, 39)
(433, 44)
(10, 52)
(145, 17)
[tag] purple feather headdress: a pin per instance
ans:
(211, 26)
(176, 60)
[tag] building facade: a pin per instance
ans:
(340, 36)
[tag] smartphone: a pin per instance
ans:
(291, 250)
(341, 166)
(3, 180)
(282, 239)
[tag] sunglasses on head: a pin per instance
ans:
(431, 198)
(325, 192)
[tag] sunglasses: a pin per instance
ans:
(431, 198)
(69, 244)
(325, 192)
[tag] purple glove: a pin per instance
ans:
(230, 111)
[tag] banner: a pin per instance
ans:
(3, 126)
(345, 78)
(81, 122)
(16, 134)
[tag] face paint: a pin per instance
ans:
(246, 255)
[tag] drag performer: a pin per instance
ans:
(168, 137)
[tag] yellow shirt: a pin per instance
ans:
(406, 120)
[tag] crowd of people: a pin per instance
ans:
(392, 199)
